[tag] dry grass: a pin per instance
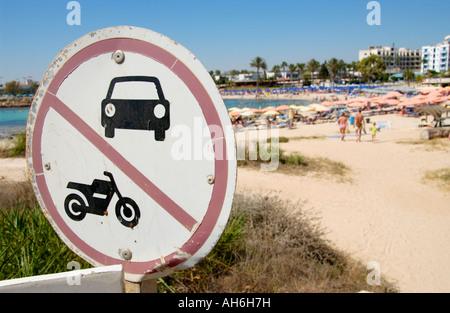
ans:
(441, 177)
(298, 164)
(16, 194)
(277, 247)
(435, 144)
(308, 137)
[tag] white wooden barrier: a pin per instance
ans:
(107, 279)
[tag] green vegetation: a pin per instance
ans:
(16, 147)
(13, 88)
(29, 246)
(268, 245)
(372, 68)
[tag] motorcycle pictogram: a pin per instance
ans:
(98, 196)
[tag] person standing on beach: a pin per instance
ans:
(359, 124)
(374, 130)
(343, 124)
(291, 118)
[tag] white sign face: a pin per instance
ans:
(131, 152)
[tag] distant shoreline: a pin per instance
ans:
(307, 97)
(15, 103)
(313, 97)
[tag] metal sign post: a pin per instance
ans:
(131, 154)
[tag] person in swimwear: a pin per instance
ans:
(343, 124)
(374, 129)
(359, 124)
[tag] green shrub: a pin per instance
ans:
(19, 146)
(29, 246)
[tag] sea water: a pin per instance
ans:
(13, 121)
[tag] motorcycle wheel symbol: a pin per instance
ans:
(127, 212)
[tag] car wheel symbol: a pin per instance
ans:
(110, 110)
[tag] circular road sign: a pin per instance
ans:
(131, 152)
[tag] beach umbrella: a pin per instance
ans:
(318, 107)
(250, 110)
(306, 109)
(378, 100)
(268, 113)
(283, 108)
(234, 113)
(321, 108)
(360, 99)
(393, 95)
(234, 109)
(413, 102)
(248, 114)
(392, 102)
(269, 109)
(358, 104)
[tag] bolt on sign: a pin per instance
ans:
(101, 135)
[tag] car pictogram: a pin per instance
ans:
(138, 114)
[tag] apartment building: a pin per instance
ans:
(436, 58)
(397, 59)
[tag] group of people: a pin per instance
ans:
(358, 123)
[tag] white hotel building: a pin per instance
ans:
(396, 59)
(436, 57)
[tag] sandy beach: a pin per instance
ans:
(386, 213)
(383, 213)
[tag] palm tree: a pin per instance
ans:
(333, 66)
(408, 75)
(342, 67)
(275, 70)
(312, 66)
(259, 63)
(283, 66)
(292, 69)
(353, 67)
(301, 70)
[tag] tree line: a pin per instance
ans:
(13, 88)
(370, 69)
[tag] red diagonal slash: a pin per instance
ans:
(114, 156)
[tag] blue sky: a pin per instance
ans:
(224, 35)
